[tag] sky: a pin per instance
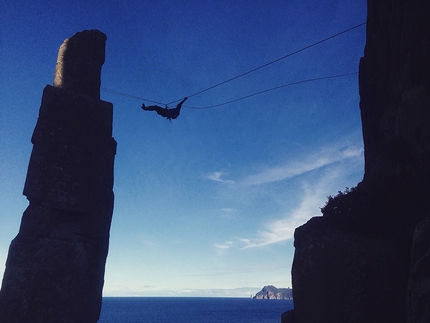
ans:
(205, 205)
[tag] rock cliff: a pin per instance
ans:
(366, 258)
(55, 266)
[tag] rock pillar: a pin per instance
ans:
(367, 258)
(55, 266)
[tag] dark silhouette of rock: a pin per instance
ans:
(79, 63)
(353, 264)
(394, 78)
(343, 275)
(288, 317)
(419, 278)
(55, 266)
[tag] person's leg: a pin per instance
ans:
(161, 111)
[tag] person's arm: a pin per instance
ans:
(180, 103)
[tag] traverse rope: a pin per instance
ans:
(273, 88)
(241, 98)
(275, 61)
(129, 95)
(246, 73)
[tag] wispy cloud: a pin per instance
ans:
(225, 245)
(222, 248)
(216, 176)
(314, 197)
(331, 166)
(317, 160)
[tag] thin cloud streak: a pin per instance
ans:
(216, 176)
(332, 164)
(323, 158)
(225, 245)
(314, 198)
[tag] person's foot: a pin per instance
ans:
(143, 106)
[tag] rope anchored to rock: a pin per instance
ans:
(173, 113)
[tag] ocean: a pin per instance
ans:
(192, 310)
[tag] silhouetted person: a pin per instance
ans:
(165, 112)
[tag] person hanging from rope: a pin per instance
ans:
(166, 112)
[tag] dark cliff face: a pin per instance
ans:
(79, 63)
(394, 90)
(365, 259)
(55, 266)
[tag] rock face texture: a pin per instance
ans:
(419, 278)
(55, 266)
(79, 63)
(366, 259)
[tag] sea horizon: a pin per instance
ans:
(191, 309)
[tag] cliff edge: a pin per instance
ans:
(366, 259)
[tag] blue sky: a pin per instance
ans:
(206, 205)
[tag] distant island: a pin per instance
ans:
(271, 292)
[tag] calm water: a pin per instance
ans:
(192, 310)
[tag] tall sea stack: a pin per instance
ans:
(367, 259)
(55, 266)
